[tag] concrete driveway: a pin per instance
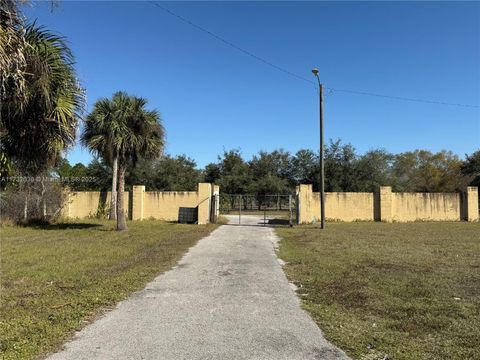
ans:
(228, 298)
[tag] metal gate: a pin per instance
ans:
(214, 208)
(276, 209)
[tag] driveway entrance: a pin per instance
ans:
(228, 299)
(270, 209)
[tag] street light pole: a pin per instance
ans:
(322, 170)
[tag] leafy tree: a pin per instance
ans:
(270, 185)
(212, 173)
(63, 168)
(177, 173)
(424, 171)
(235, 173)
(73, 176)
(168, 173)
(144, 173)
(340, 161)
(471, 168)
(373, 169)
(275, 163)
(270, 174)
(304, 167)
(102, 174)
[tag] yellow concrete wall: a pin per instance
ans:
(388, 206)
(204, 196)
(165, 204)
(82, 204)
(344, 206)
(471, 205)
(216, 198)
(348, 206)
(426, 206)
(385, 206)
(304, 204)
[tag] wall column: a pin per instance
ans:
(65, 212)
(138, 195)
(386, 204)
(305, 199)
(204, 193)
(472, 204)
(216, 198)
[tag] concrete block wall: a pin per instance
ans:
(165, 205)
(84, 204)
(216, 198)
(471, 204)
(388, 206)
(141, 204)
(341, 206)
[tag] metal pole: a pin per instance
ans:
(240, 210)
(290, 222)
(264, 210)
(322, 170)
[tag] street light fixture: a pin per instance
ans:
(322, 172)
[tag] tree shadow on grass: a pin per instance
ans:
(278, 222)
(64, 226)
(60, 226)
(268, 223)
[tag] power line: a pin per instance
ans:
(299, 77)
(231, 44)
(402, 98)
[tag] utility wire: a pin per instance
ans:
(246, 52)
(403, 98)
(299, 77)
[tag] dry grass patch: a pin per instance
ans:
(55, 278)
(394, 291)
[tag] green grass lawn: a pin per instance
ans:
(55, 279)
(404, 291)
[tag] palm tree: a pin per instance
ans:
(34, 135)
(12, 52)
(98, 134)
(140, 134)
(35, 129)
(121, 130)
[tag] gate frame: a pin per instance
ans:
(237, 205)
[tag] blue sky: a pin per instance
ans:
(213, 97)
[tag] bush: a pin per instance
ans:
(31, 202)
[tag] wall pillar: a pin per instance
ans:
(471, 205)
(386, 204)
(305, 199)
(65, 211)
(138, 195)
(216, 198)
(204, 195)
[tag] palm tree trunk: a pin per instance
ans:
(26, 190)
(113, 199)
(44, 201)
(121, 220)
(25, 208)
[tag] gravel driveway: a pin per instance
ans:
(228, 298)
